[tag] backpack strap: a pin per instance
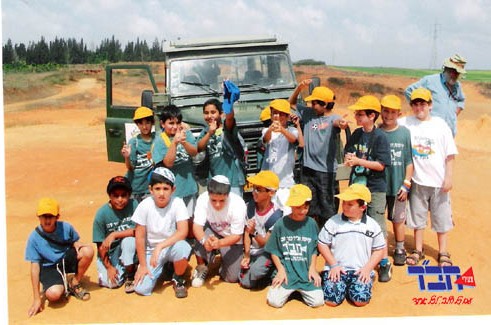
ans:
(277, 215)
(52, 239)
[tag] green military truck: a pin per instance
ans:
(192, 73)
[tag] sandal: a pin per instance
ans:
(78, 291)
(414, 257)
(444, 259)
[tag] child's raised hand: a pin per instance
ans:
(212, 127)
(126, 150)
(304, 83)
(251, 226)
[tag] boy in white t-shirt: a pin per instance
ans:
(352, 244)
(160, 233)
(434, 151)
(218, 226)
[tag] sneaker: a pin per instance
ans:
(199, 276)
(129, 286)
(385, 273)
(399, 257)
(179, 288)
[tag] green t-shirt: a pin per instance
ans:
(400, 156)
(183, 167)
(141, 160)
(294, 242)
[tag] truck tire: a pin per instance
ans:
(316, 82)
(147, 100)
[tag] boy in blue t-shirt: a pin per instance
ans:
(54, 250)
(114, 234)
(137, 155)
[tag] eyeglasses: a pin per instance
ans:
(260, 189)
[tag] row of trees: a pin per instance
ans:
(71, 51)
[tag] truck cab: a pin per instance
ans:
(193, 72)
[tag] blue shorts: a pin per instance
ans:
(52, 275)
(347, 287)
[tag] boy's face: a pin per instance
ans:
(421, 109)
(211, 114)
(363, 119)
(261, 194)
(300, 212)
(48, 222)
(171, 126)
(319, 107)
(218, 201)
(161, 193)
(352, 209)
(280, 116)
(119, 198)
(145, 126)
(390, 116)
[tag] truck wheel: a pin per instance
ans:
(147, 99)
(316, 82)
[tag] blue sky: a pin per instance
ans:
(360, 33)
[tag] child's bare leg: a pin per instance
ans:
(442, 242)
(180, 266)
(418, 239)
(399, 231)
(55, 292)
(85, 254)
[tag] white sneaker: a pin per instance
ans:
(199, 275)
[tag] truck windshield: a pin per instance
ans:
(259, 72)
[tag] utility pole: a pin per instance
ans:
(434, 54)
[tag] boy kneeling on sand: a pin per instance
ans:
(54, 250)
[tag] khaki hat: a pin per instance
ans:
(265, 178)
(421, 93)
(281, 105)
(142, 112)
(366, 102)
(265, 114)
(391, 101)
(356, 192)
(299, 194)
(321, 93)
(455, 62)
(48, 206)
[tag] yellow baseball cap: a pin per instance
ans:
(299, 194)
(456, 62)
(421, 93)
(265, 178)
(48, 206)
(366, 102)
(391, 101)
(281, 105)
(321, 93)
(265, 114)
(142, 112)
(356, 192)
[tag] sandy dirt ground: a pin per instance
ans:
(56, 147)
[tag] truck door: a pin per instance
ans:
(127, 88)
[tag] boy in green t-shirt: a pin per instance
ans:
(293, 248)
(136, 153)
(399, 173)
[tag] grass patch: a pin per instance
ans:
(483, 76)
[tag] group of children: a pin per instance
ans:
(155, 220)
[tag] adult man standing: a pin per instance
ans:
(446, 90)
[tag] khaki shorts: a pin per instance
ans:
(434, 200)
(376, 210)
